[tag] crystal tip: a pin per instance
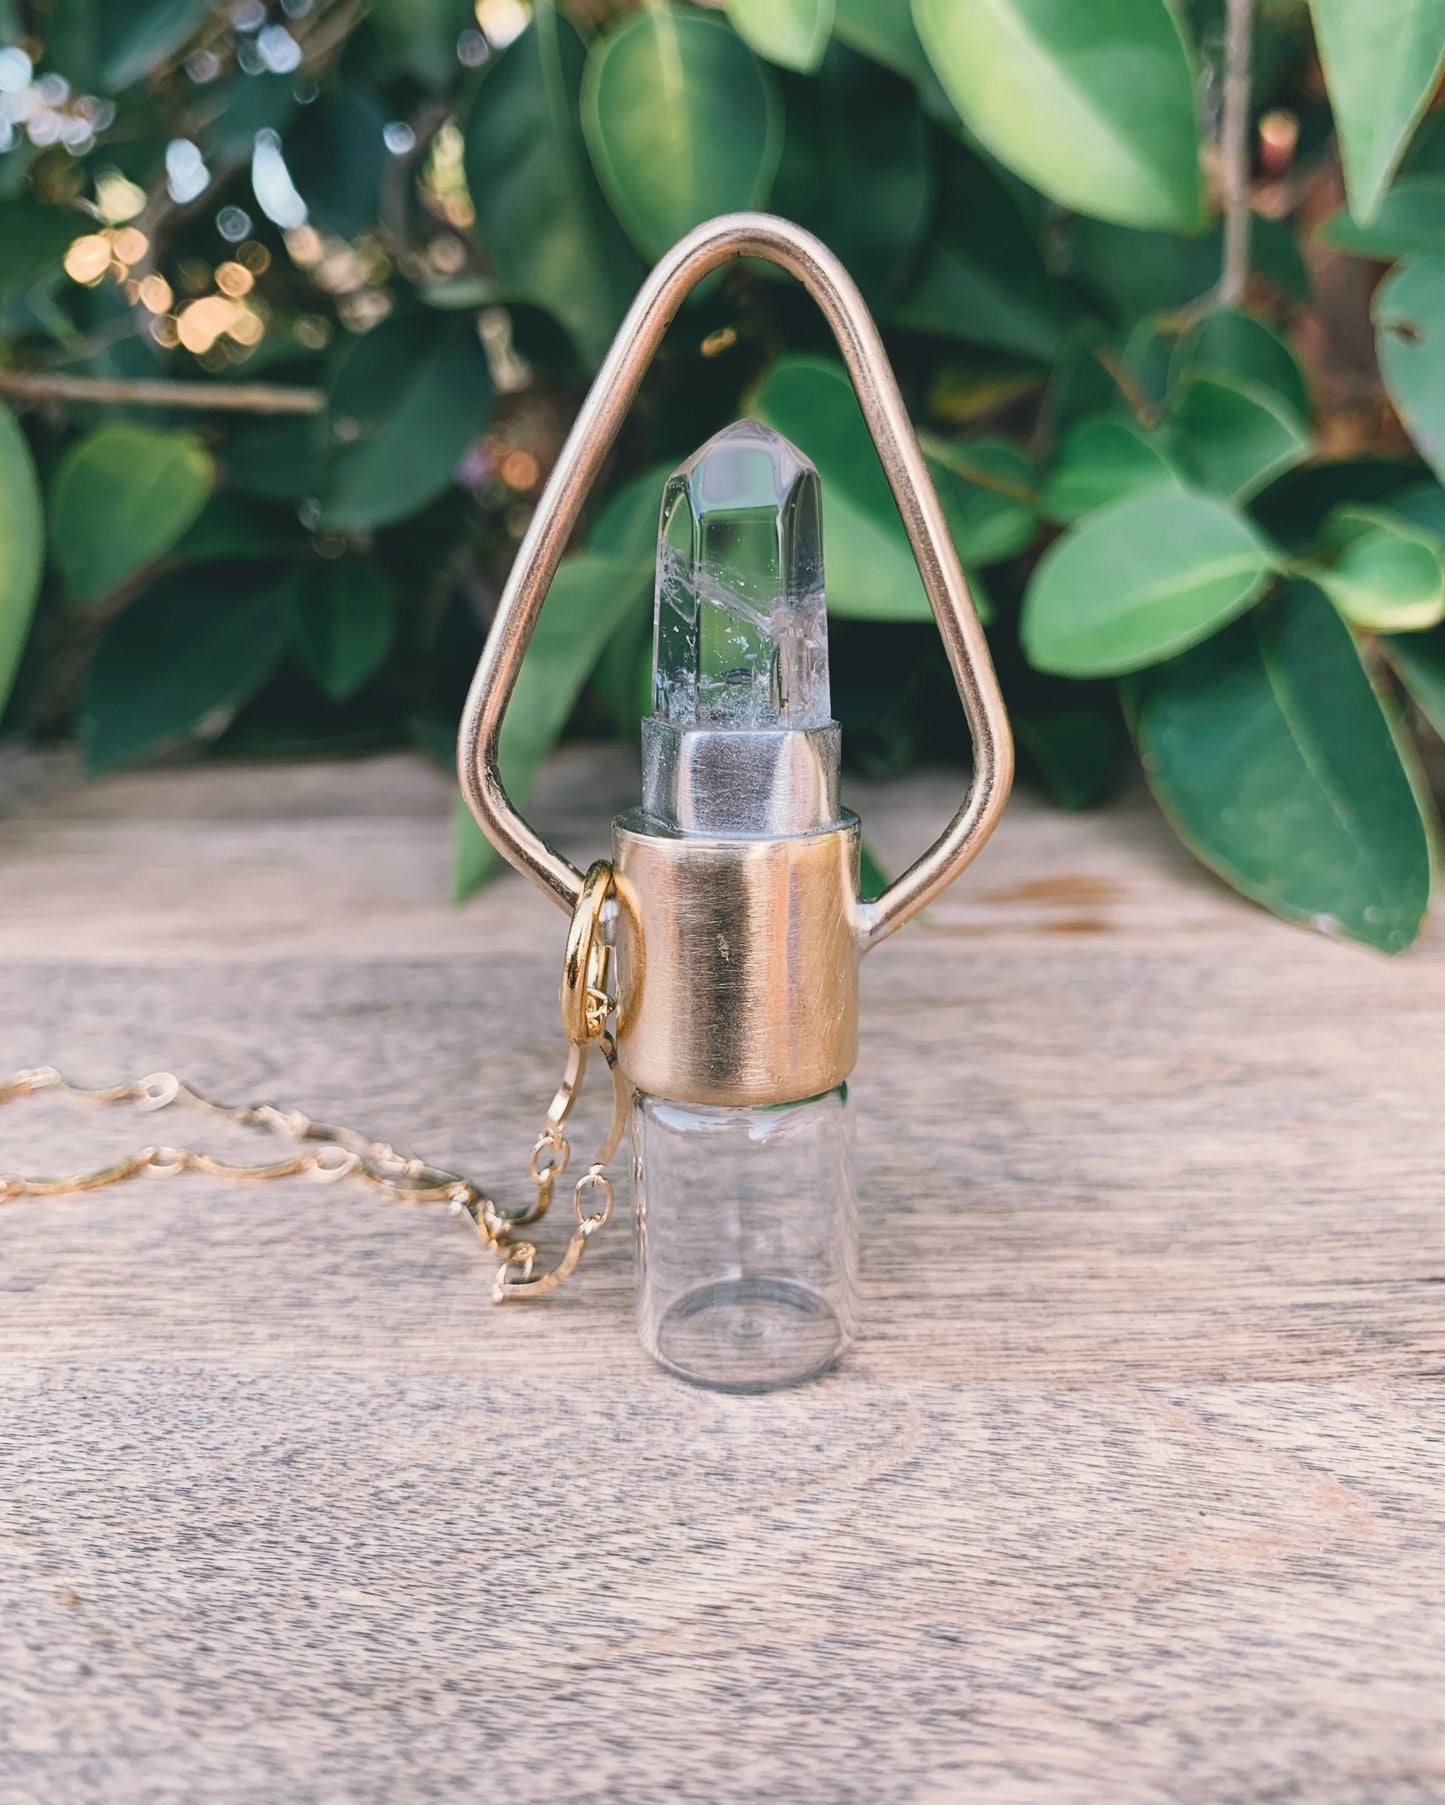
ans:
(741, 628)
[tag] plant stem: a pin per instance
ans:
(957, 460)
(1129, 386)
(1234, 150)
(221, 397)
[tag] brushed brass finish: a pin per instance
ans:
(738, 980)
(717, 242)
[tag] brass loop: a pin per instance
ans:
(569, 1088)
(540, 1284)
(36, 1078)
(330, 1163)
(557, 1145)
(156, 1091)
(620, 1099)
(584, 999)
(708, 247)
(593, 1179)
(285, 1121)
(521, 1254)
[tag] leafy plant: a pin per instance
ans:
(297, 302)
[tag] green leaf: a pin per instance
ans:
(622, 676)
(435, 733)
(1419, 662)
(1078, 751)
(1104, 459)
(590, 594)
(1410, 222)
(628, 522)
(251, 104)
(627, 527)
(683, 123)
(1133, 275)
(1381, 59)
(1080, 385)
(22, 547)
(1422, 504)
(982, 277)
(70, 41)
(273, 459)
(336, 155)
(1409, 315)
(35, 240)
(474, 858)
(180, 661)
(873, 880)
(1230, 342)
(793, 33)
(987, 489)
(1388, 576)
(343, 623)
(1270, 753)
(1140, 582)
(979, 592)
(1426, 153)
(422, 35)
(1092, 104)
(884, 31)
(135, 36)
(122, 498)
(1231, 437)
(1139, 275)
(855, 168)
(231, 527)
(1144, 360)
(405, 402)
(868, 564)
(1293, 509)
(540, 215)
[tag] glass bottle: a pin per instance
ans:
(746, 1215)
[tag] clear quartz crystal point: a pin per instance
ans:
(741, 629)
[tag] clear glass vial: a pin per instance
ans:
(747, 1261)
(747, 1266)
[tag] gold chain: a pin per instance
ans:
(344, 1153)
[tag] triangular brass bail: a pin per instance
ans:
(720, 241)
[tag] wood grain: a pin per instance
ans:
(1134, 1488)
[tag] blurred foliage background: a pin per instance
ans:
(298, 299)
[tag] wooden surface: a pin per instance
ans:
(1133, 1489)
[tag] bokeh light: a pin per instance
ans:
(501, 20)
(155, 294)
(88, 258)
(234, 279)
(130, 244)
(186, 174)
(118, 199)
